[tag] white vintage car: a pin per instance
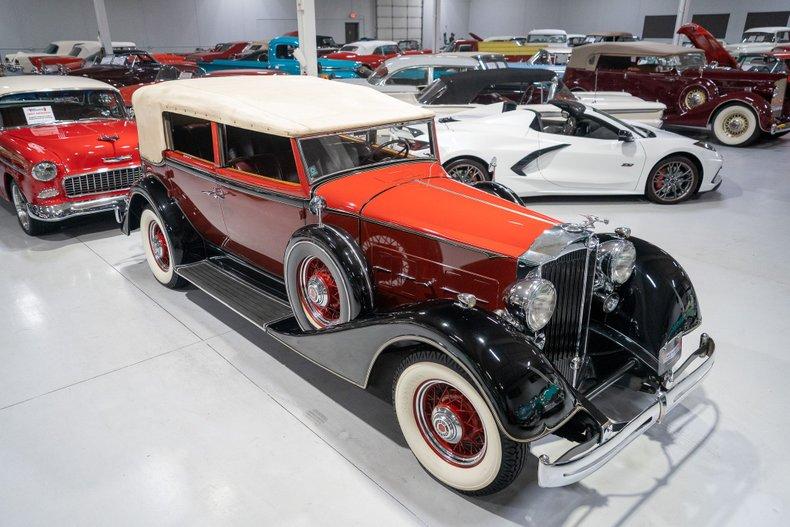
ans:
(760, 40)
(572, 149)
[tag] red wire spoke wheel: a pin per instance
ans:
(449, 423)
(318, 292)
(159, 248)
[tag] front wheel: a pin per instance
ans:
(158, 249)
(672, 180)
(736, 125)
(450, 428)
(467, 171)
(30, 225)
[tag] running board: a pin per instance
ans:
(235, 291)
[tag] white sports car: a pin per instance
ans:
(569, 148)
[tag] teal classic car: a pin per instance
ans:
(280, 57)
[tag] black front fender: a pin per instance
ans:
(526, 394)
(656, 304)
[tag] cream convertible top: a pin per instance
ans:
(284, 105)
(586, 56)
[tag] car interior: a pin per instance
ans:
(261, 154)
(577, 125)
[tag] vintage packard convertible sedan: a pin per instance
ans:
(495, 324)
(67, 148)
(735, 106)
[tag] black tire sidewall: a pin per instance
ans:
(650, 193)
(301, 248)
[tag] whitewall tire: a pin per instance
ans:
(736, 125)
(450, 428)
(158, 249)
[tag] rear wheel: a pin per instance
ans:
(450, 428)
(158, 249)
(467, 171)
(30, 225)
(736, 125)
(672, 180)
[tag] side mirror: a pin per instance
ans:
(625, 136)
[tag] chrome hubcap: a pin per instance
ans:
(673, 181)
(447, 424)
(736, 124)
(317, 291)
(695, 98)
(20, 203)
(467, 173)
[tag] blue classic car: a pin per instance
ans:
(280, 56)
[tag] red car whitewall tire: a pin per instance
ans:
(452, 432)
(158, 249)
(318, 290)
(735, 125)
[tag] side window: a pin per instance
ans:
(612, 62)
(465, 47)
(190, 135)
(410, 77)
(284, 51)
(783, 36)
(378, 51)
(265, 155)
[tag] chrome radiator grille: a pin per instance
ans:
(573, 276)
(100, 182)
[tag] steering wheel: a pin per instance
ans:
(403, 152)
(570, 126)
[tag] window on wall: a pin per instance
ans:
(715, 23)
(659, 26)
(399, 20)
(190, 135)
(766, 19)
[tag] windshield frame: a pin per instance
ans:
(126, 116)
(341, 173)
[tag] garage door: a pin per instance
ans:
(399, 19)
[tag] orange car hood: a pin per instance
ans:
(422, 198)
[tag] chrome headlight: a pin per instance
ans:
(535, 299)
(706, 146)
(44, 171)
(617, 258)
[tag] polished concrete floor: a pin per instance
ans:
(125, 403)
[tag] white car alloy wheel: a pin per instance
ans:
(735, 125)
(157, 248)
(467, 171)
(448, 426)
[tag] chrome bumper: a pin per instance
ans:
(780, 127)
(76, 208)
(575, 465)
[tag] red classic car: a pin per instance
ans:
(372, 53)
(226, 50)
(131, 66)
(495, 325)
(735, 106)
(67, 148)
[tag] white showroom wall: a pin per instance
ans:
(171, 24)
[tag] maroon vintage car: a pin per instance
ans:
(735, 106)
(494, 325)
(131, 66)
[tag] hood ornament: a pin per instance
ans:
(587, 225)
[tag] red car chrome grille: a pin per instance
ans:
(573, 275)
(98, 182)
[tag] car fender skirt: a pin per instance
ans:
(526, 394)
(657, 304)
(186, 243)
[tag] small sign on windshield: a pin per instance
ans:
(39, 114)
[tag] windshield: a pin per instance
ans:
(758, 37)
(543, 57)
(221, 47)
(338, 153)
(51, 49)
(551, 39)
(378, 75)
(326, 42)
(349, 48)
(182, 71)
(38, 108)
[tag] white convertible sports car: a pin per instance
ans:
(568, 148)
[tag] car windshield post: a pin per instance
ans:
(338, 153)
